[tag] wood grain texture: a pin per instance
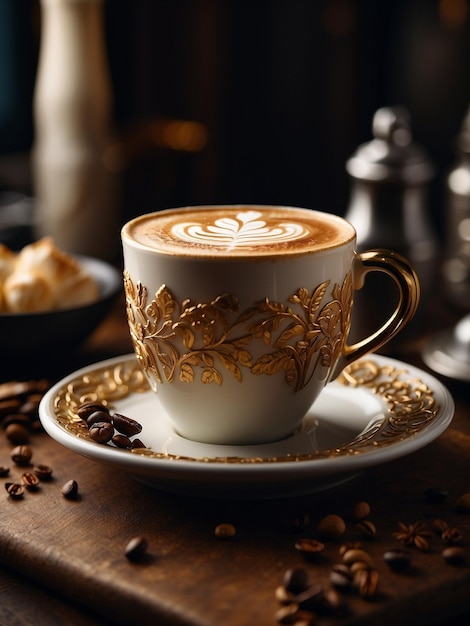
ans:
(76, 548)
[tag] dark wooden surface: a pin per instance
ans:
(63, 561)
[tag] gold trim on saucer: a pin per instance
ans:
(410, 404)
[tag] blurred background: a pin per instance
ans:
(236, 101)
(257, 101)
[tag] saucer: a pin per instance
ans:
(378, 410)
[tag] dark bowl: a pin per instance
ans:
(31, 334)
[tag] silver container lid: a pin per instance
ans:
(391, 156)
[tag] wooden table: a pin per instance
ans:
(64, 562)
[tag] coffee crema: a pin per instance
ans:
(239, 231)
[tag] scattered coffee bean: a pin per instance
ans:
(366, 528)
(435, 494)
(287, 614)
(348, 546)
(309, 548)
(137, 443)
(283, 596)
(356, 554)
(98, 417)
(21, 455)
(121, 441)
(30, 481)
(85, 410)
(31, 406)
(225, 531)
(136, 549)
(126, 425)
(312, 599)
(17, 434)
(453, 555)
(361, 510)
(17, 418)
(101, 432)
(398, 559)
(43, 472)
(341, 577)
(463, 503)
(9, 406)
(14, 490)
(295, 580)
(357, 565)
(331, 526)
(366, 581)
(4, 471)
(439, 526)
(452, 536)
(70, 489)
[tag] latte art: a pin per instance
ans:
(245, 229)
(239, 231)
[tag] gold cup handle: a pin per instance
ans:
(399, 269)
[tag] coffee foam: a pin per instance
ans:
(239, 231)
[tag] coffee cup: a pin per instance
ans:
(239, 315)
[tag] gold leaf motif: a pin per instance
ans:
(412, 407)
(172, 339)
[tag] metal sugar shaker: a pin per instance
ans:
(456, 267)
(388, 206)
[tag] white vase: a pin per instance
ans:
(75, 190)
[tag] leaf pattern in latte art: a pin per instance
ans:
(245, 229)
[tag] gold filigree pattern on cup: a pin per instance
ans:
(410, 408)
(173, 339)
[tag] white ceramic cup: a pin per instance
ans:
(239, 315)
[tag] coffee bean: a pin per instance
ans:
(361, 510)
(397, 559)
(30, 407)
(70, 490)
(452, 536)
(98, 417)
(17, 434)
(17, 418)
(312, 599)
(9, 406)
(283, 596)
(14, 490)
(137, 443)
(463, 503)
(453, 555)
(309, 548)
(126, 425)
(136, 549)
(340, 576)
(85, 410)
(287, 614)
(43, 472)
(21, 455)
(225, 531)
(366, 581)
(295, 580)
(331, 526)
(101, 432)
(30, 481)
(439, 526)
(356, 554)
(4, 471)
(121, 441)
(366, 528)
